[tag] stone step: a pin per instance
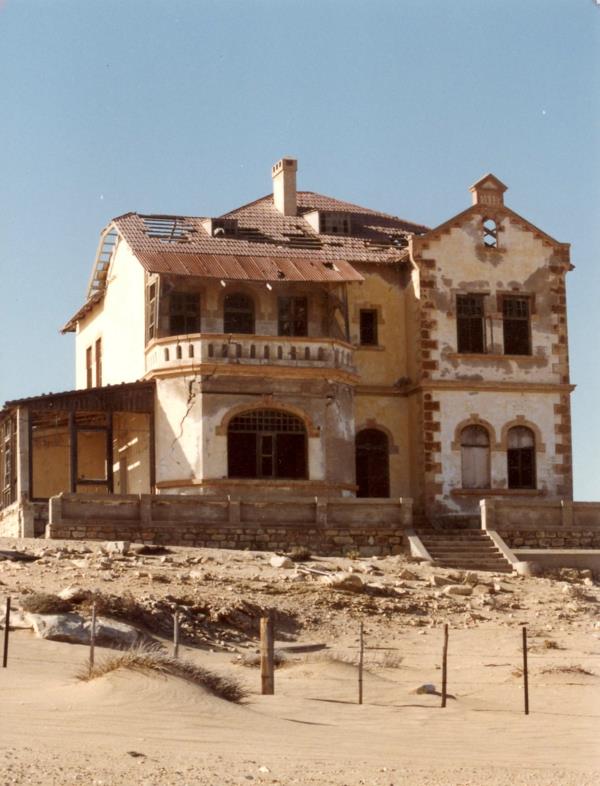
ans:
(458, 546)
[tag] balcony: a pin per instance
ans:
(190, 352)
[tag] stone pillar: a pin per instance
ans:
(488, 513)
(566, 513)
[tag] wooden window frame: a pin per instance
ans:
(368, 333)
(465, 345)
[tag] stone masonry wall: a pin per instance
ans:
(325, 526)
(557, 524)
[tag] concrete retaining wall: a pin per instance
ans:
(541, 524)
(326, 526)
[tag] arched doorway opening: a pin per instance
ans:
(267, 443)
(372, 463)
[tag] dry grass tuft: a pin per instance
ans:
(372, 659)
(550, 644)
(147, 661)
(575, 669)
(46, 603)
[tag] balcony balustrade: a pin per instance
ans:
(249, 350)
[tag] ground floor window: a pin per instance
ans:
(267, 443)
(521, 458)
(372, 463)
(475, 457)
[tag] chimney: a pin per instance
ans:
(284, 185)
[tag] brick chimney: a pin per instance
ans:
(284, 185)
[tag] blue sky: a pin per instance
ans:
(182, 107)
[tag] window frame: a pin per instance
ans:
(238, 312)
(270, 429)
(295, 303)
(185, 305)
(516, 462)
(507, 320)
(475, 446)
(465, 346)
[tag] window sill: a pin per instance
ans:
(497, 493)
(493, 356)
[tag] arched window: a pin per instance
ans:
(267, 443)
(238, 314)
(372, 463)
(521, 458)
(475, 457)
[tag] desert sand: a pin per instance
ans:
(132, 728)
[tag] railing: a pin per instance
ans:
(301, 352)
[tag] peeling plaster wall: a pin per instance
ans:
(192, 445)
(519, 265)
(497, 411)
(119, 321)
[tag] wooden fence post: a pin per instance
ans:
(6, 632)
(176, 635)
(267, 656)
(445, 666)
(361, 662)
(525, 672)
(92, 636)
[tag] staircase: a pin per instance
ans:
(467, 549)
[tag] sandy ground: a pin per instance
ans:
(130, 728)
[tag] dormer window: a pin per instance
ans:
(334, 224)
(490, 233)
(168, 229)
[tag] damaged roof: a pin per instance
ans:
(256, 242)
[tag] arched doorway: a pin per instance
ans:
(372, 463)
(267, 443)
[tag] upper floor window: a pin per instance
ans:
(293, 316)
(490, 233)
(470, 323)
(184, 313)
(521, 458)
(151, 310)
(516, 325)
(475, 457)
(89, 374)
(368, 327)
(98, 362)
(238, 314)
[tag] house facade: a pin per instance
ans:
(302, 345)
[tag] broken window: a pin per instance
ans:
(475, 457)
(267, 443)
(293, 316)
(470, 323)
(151, 310)
(490, 233)
(238, 314)
(521, 458)
(7, 462)
(98, 362)
(334, 224)
(516, 325)
(372, 463)
(368, 327)
(89, 381)
(168, 229)
(184, 313)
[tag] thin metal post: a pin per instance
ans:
(361, 662)
(93, 636)
(6, 632)
(445, 666)
(176, 634)
(525, 672)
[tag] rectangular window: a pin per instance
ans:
(293, 316)
(470, 323)
(184, 313)
(151, 315)
(89, 382)
(7, 467)
(98, 362)
(368, 327)
(516, 325)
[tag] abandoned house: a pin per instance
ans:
(306, 346)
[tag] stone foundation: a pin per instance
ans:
(325, 526)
